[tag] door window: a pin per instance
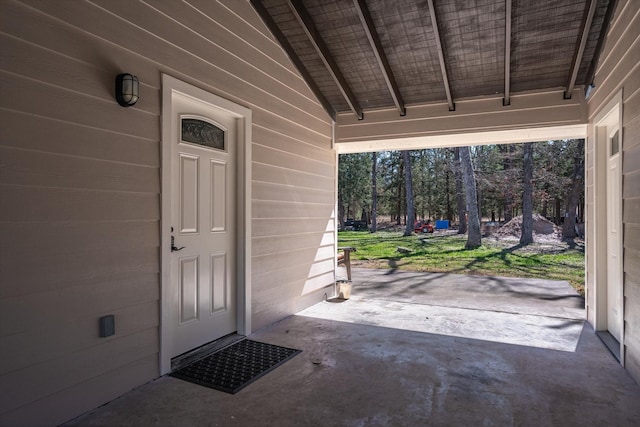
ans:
(200, 132)
(615, 144)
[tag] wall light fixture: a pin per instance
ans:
(127, 89)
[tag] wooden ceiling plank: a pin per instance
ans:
(443, 67)
(590, 10)
(376, 45)
(507, 54)
(297, 62)
(305, 21)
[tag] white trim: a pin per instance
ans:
(171, 85)
(336, 212)
(464, 139)
(608, 118)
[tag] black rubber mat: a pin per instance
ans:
(235, 367)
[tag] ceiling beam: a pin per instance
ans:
(507, 53)
(443, 66)
(313, 34)
(282, 39)
(587, 19)
(376, 45)
(603, 34)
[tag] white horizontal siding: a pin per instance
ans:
(80, 186)
(619, 70)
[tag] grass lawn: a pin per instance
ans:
(446, 253)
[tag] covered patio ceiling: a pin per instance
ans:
(364, 55)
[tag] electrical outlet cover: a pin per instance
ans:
(107, 325)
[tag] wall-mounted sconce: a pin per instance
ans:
(127, 89)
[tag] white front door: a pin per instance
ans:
(614, 236)
(203, 178)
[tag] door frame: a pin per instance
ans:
(608, 118)
(171, 86)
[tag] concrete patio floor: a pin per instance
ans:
(415, 349)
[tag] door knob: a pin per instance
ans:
(173, 245)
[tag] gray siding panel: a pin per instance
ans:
(105, 387)
(619, 69)
(631, 185)
(632, 321)
(287, 143)
(49, 377)
(61, 333)
(80, 187)
(29, 132)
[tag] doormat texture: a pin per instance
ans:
(235, 367)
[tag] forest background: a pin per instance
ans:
(513, 210)
(373, 185)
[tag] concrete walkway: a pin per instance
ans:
(415, 349)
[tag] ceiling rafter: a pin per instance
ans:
(585, 26)
(305, 21)
(507, 53)
(443, 65)
(282, 39)
(543, 62)
(376, 45)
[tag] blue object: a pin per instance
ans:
(442, 224)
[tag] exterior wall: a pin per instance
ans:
(80, 187)
(619, 70)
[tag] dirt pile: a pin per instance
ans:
(543, 229)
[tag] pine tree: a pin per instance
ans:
(576, 188)
(374, 192)
(527, 195)
(460, 200)
(406, 157)
(474, 238)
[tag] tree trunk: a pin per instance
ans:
(573, 196)
(479, 203)
(557, 209)
(474, 238)
(340, 214)
(364, 216)
(449, 212)
(581, 209)
(527, 196)
(460, 205)
(508, 194)
(408, 230)
(374, 193)
(399, 203)
(545, 202)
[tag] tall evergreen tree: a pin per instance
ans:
(399, 195)
(507, 166)
(527, 195)
(474, 238)
(406, 157)
(460, 202)
(573, 196)
(374, 192)
(353, 184)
